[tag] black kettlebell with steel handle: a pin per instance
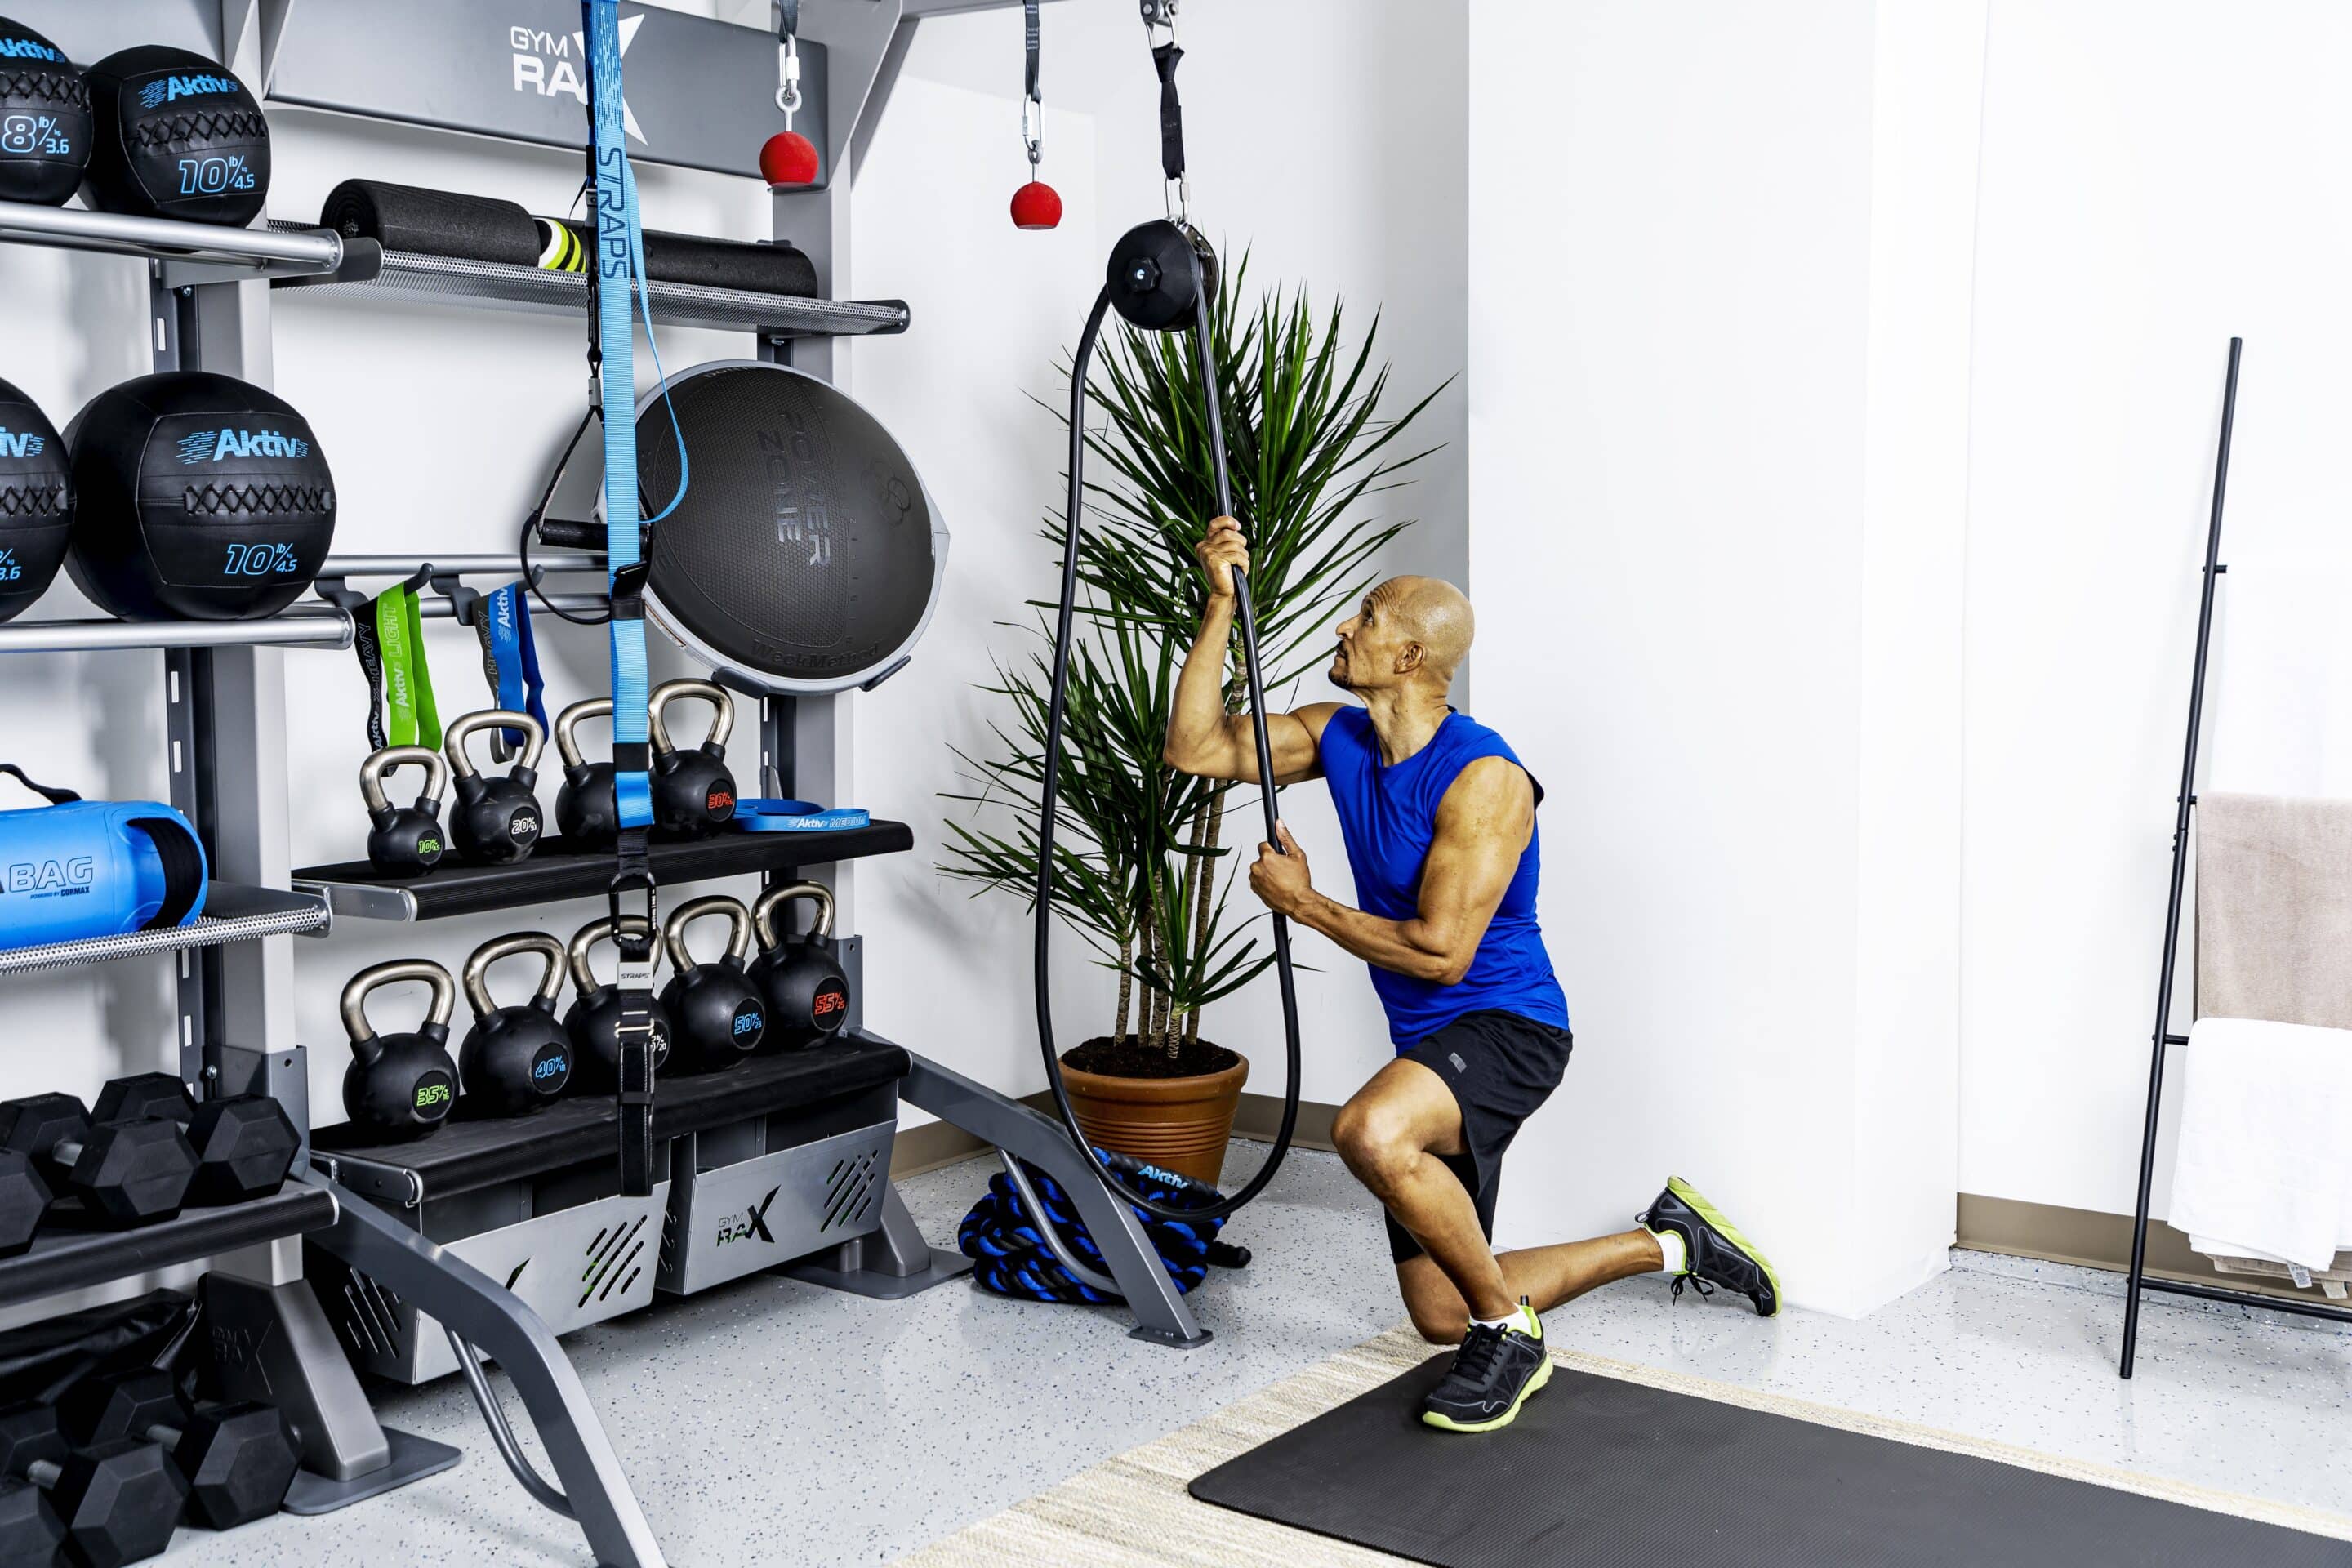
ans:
(400, 1086)
(404, 840)
(516, 1059)
(497, 820)
(693, 791)
(720, 1015)
(594, 1020)
(586, 809)
(802, 977)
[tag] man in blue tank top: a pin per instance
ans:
(1439, 819)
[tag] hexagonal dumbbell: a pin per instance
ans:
(237, 1460)
(245, 1143)
(114, 1504)
(24, 1199)
(143, 1096)
(125, 1173)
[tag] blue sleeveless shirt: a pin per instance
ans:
(1389, 816)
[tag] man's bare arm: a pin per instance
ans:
(1484, 824)
(1202, 738)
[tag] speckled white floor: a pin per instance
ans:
(774, 1423)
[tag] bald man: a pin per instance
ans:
(1439, 819)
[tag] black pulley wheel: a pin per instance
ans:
(805, 556)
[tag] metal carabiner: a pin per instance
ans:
(1033, 129)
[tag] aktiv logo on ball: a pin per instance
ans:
(19, 444)
(26, 49)
(166, 90)
(217, 446)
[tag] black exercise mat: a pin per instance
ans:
(1601, 1473)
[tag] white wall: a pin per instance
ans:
(1301, 154)
(440, 425)
(2156, 178)
(1715, 507)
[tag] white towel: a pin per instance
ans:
(2264, 1164)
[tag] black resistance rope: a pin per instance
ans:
(1139, 286)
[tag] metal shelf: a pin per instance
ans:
(495, 285)
(559, 869)
(468, 1153)
(67, 1258)
(307, 624)
(191, 252)
(232, 913)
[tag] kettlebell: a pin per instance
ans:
(400, 1086)
(807, 993)
(515, 1059)
(693, 791)
(594, 1020)
(404, 840)
(719, 1013)
(585, 810)
(497, 820)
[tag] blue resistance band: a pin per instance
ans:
(618, 226)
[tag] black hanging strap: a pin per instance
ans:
(1029, 8)
(1165, 58)
(53, 795)
(788, 19)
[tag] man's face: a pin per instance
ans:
(1371, 646)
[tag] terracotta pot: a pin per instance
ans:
(1182, 1123)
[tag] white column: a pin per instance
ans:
(1720, 260)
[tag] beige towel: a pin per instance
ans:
(2275, 909)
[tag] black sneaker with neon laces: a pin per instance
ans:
(1492, 1375)
(1714, 1252)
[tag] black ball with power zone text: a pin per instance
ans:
(35, 496)
(197, 496)
(175, 136)
(44, 119)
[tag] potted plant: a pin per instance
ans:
(1141, 865)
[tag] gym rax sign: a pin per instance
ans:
(700, 93)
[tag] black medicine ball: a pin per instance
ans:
(176, 136)
(44, 119)
(35, 501)
(198, 496)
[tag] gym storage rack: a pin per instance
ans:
(224, 706)
(413, 1243)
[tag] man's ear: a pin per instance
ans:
(1410, 658)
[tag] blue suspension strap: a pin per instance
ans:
(613, 211)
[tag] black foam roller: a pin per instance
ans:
(720, 263)
(432, 223)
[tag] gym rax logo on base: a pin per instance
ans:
(752, 1223)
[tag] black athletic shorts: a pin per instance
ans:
(1500, 1067)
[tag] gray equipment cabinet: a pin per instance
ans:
(481, 1243)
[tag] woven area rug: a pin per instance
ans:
(1132, 1511)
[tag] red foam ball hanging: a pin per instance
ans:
(788, 159)
(1037, 206)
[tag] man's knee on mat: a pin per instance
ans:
(1431, 1302)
